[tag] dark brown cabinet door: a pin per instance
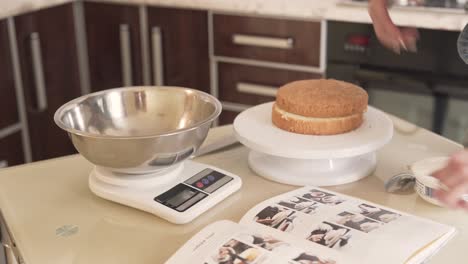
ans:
(114, 45)
(8, 107)
(227, 117)
(253, 85)
(183, 37)
(49, 68)
(11, 150)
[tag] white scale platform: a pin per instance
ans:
(141, 191)
(298, 159)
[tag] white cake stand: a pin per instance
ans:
(297, 159)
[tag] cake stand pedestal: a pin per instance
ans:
(298, 159)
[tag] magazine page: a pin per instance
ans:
(226, 242)
(359, 231)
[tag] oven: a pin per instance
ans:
(428, 88)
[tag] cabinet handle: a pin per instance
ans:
(17, 258)
(3, 163)
(38, 71)
(7, 246)
(158, 60)
(256, 89)
(126, 55)
(258, 41)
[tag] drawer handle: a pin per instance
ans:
(5, 245)
(257, 41)
(126, 55)
(13, 252)
(3, 163)
(38, 71)
(256, 89)
(158, 61)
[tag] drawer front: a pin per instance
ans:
(227, 117)
(11, 150)
(252, 85)
(266, 39)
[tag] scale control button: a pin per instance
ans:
(208, 180)
(220, 182)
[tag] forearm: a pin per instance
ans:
(378, 11)
(389, 35)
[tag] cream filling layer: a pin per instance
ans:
(287, 115)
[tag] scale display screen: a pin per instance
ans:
(180, 197)
(184, 195)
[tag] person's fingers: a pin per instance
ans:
(410, 37)
(410, 32)
(446, 175)
(449, 177)
(455, 171)
(461, 157)
(454, 196)
(387, 33)
(462, 204)
(454, 181)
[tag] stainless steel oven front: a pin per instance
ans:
(428, 88)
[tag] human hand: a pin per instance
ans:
(455, 178)
(388, 34)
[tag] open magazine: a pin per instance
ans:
(312, 225)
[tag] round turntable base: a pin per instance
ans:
(298, 159)
(317, 172)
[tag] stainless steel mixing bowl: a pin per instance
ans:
(138, 129)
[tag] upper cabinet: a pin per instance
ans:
(49, 69)
(114, 45)
(11, 147)
(179, 47)
(7, 84)
(134, 45)
(51, 56)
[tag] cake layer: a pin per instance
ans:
(312, 125)
(322, 98)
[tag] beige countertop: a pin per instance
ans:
(300, 9)
(38, 198)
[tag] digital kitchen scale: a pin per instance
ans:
(298, 159)
(178, 194)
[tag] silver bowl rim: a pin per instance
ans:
(60, 110)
